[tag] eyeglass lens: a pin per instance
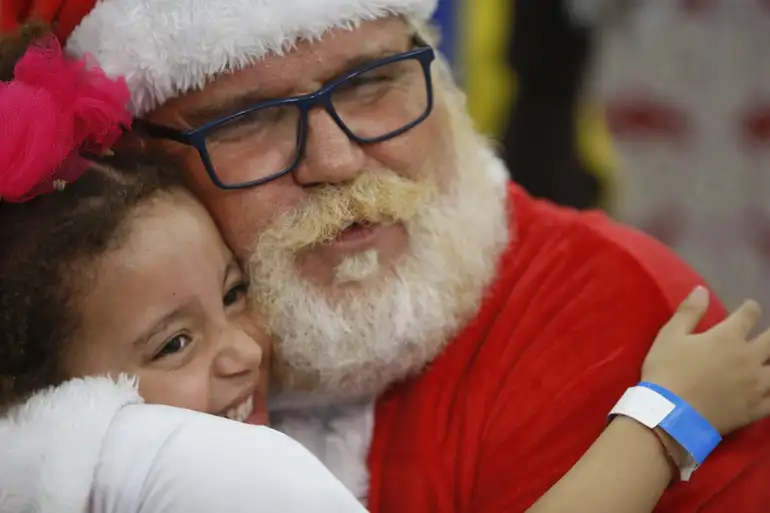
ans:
(265, 142)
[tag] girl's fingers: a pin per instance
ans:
(689, 313)
(761, 345)
(742, 320)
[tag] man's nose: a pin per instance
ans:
(330, 156)
(239, 354)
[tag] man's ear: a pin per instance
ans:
(140, 143)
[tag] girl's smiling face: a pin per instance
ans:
(169, 305)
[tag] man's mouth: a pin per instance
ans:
(357, 227)
(357, 234)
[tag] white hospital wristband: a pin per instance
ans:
(656, 407)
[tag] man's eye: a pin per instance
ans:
(236, 293)
(174, 345)
(370, 79)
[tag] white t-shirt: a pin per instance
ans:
(92, 446)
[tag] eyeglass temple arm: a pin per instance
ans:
(149, 128)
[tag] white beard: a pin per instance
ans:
(396, 322)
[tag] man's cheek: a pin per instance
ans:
(405, 155)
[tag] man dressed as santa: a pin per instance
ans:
(445, 343)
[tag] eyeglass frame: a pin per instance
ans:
(322, 97)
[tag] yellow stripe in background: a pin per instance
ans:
(483, 37)
(596, 151)
(483, 34)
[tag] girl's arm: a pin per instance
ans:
(625, 471)
(719, 373)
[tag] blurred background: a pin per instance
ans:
(657, 111)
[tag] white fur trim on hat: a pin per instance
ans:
(165, 48)
(50, 446)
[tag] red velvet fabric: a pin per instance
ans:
(520, 395)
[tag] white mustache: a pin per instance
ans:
(373, 197)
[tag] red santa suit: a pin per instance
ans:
(521, 393)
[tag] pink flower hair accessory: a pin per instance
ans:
(55, 110)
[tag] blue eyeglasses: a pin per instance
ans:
(266, 141)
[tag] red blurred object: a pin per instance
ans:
(697, 6)
(646, 117)
(755, 125)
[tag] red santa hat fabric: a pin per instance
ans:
(165, 48)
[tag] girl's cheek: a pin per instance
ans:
(189, 391)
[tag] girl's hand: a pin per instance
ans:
(720, 373)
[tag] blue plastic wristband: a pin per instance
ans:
(685, 425)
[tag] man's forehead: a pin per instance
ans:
(336, 52)
(302, 69)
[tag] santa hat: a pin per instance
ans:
(165, 48)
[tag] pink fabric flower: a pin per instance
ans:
(54, 109)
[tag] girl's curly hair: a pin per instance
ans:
(47, 244)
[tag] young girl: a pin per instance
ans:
(108, 266)
(122, 253)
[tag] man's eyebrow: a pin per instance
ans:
(360, 60)
(196, 117)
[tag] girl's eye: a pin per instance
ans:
(236, 293)
(174, 345)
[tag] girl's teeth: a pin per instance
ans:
(241, 412)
